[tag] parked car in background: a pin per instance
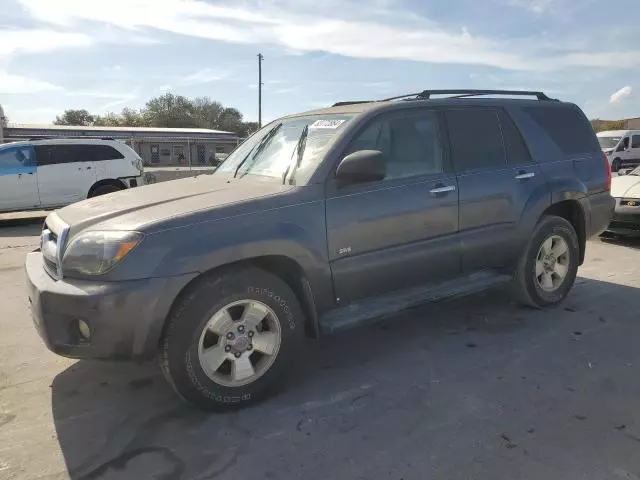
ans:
(622, 148)
(45, 174)
(625, 189)
(321, 221)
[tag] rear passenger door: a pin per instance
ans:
(401, 231)
(66, 172)
(496, 177)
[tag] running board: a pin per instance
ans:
(375, 308)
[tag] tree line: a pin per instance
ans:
(168, 111)
(602, 125)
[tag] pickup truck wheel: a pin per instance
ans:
(548, 267)
(231, 338)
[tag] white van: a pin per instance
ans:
(44, 174)
(622, 147)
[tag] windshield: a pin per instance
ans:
(608, 142)
(277, 150)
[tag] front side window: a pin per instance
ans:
(290, 149)
(16, 157)
(410, 143)
(476, 139)
(625, 143)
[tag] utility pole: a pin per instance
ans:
(260, 58)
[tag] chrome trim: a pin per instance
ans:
(524, 176)
(448, 188)
(52, 250)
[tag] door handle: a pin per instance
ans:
(88, 168)
(524, 175)
(442, 189)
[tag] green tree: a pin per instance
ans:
(75, 117)
(169, 110)
(602, 125)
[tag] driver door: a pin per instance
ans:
(402, 231)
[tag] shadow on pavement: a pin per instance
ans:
(619, 240)
(123, 421)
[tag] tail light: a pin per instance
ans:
(607, 165)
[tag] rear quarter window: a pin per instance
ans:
(567, 127)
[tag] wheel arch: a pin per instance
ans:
(572, 211)
(106, 182)
(285, 268)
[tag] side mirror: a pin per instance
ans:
(620, 148)
(622, 172)
(361, 167)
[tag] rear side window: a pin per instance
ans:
(73, 153)
(476, 139)
(635, 141)
(517, 151)
(567, 127)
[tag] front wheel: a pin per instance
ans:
(231, 338)
(548, 267)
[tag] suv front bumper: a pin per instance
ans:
(125, 318)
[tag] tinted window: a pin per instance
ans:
(568, 128)
(517, 151)
(625, 143)
(476, 139)
(635, 142)
(72, 153)
(16, 157)
(410, 143)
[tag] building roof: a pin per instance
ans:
(182, 131)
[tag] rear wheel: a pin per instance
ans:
(548, 267)
(103, 190)
(231, 338)
(615, 165)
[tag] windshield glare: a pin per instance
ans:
(279, 155)
(608, 142)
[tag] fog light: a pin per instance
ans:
(84, 330)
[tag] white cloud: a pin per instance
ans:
(621, 94)
(206, 75)
(17, 84)
(39, 40)
(383, 33)
(536, 6)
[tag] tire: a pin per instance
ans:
(615, 165)
(103, 190)
(534, 290)
(196, 329)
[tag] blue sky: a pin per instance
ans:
(103, 55)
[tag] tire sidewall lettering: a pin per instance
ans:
(278, 300)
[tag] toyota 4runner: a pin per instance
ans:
(321, 221)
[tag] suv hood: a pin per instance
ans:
(627, 186)
(150, 204)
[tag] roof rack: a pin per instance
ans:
(354, 102)
(426, 94)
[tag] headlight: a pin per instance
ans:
(95, 253)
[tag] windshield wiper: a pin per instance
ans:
(254, 152)
(300, 146)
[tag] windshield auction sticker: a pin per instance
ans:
(327, 124)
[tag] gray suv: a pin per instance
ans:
(321, 221)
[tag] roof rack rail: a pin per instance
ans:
(354, 102)
(426, 94)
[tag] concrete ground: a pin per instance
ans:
(467, 389)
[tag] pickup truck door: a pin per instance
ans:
(18, 178)
(401, 231)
